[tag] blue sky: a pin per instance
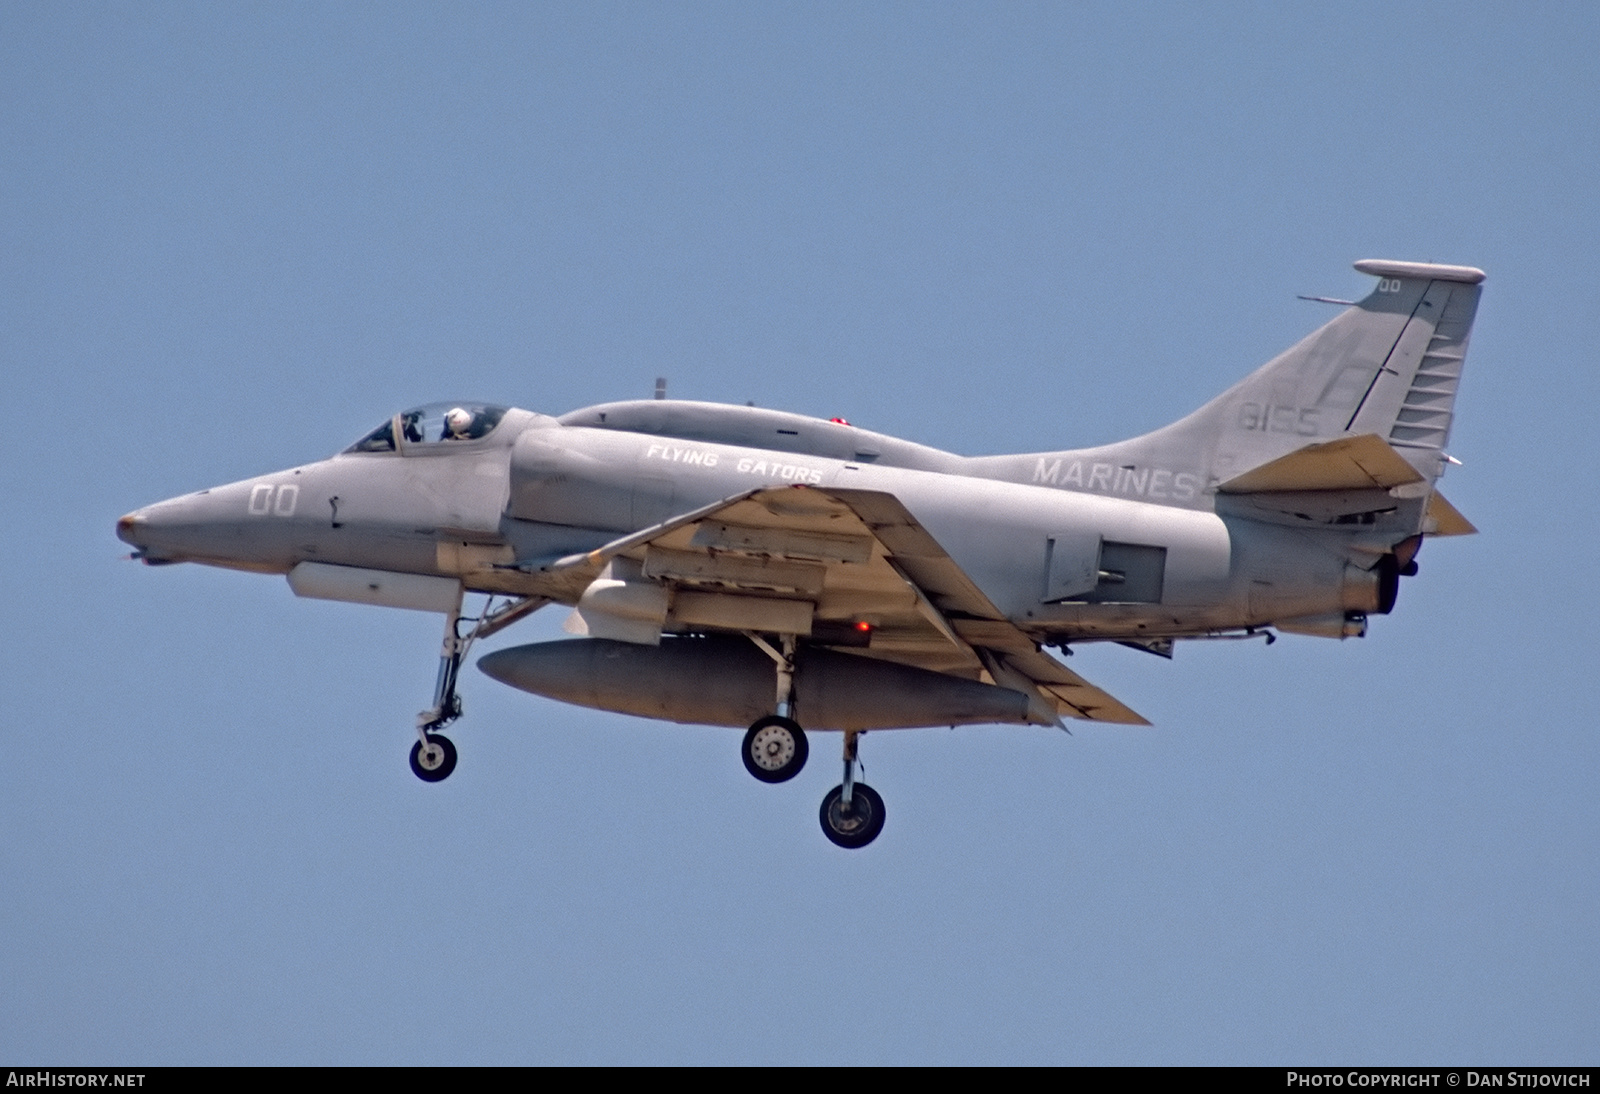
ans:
(234, 238)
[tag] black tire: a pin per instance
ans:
(440, 770)
(863, 824)
(774, 749)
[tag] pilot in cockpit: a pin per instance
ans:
(458, 424)
(411, 426)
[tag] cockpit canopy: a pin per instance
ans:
(436, 423)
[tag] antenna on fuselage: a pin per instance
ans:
(661, 387)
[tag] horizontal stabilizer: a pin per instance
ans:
(1445, 520)
(1350, 463)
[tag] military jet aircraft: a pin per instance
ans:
(735, 566)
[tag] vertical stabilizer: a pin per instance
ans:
(1411, 401)
(1388, 365)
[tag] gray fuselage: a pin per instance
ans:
(490, 510)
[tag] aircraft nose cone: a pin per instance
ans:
(128, 528)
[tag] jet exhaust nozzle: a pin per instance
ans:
(1332, 625)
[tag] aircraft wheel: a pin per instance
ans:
(434, 763)
(775, 749)
(861, 825)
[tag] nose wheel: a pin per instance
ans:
(433, 758)
(775, 749)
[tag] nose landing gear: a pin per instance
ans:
(433, 757)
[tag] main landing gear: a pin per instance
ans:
(852, 813)
(775, 750)
(775, 747)
(433, 757)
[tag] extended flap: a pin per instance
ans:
(1075, 697)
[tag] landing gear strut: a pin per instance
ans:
(775, 747)
(433, 757)
(775, 750)
(852, 813)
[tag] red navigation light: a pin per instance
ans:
(863, 626)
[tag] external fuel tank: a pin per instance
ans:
(729, 682)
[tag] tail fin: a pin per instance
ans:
(1389, 365)
(1411, 400)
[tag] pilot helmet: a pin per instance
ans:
(458, 420)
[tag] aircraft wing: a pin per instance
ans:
(841, 565)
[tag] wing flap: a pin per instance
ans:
(993, 635)
(1075, 697)
(1089, 703)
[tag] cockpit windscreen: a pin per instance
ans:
(436, 423)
